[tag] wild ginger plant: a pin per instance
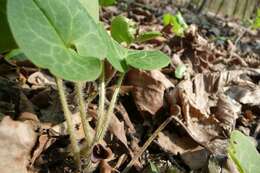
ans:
(65, 37)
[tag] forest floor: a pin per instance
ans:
(219, 92)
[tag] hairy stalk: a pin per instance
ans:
(67, 115)
(101, 106)
(101, 111)
(104, 121)
(107, 117)
(83, 114)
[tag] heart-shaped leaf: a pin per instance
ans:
(121, 58)
(147, 60)
(92, 7)
(59, 35)
(122, 29)
(116, 54)
(243, 152)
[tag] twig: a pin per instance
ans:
(149, 141)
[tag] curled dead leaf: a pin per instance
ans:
(148, 89)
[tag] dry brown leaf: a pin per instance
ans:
(196, 158)
(208, 113)
(121, 109)
(39, 80)
(44, 142)
(117, 128)
(17, 141)
(175, 144)
(148, 89)
(105, 167)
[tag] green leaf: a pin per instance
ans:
(181, 20)
(180, 70)
(177, 22)
(146, 36)
(92, 7)
(153, 168)
(116, 54)
(121, 57)
(7, 42)
(167, 19)
(243, 152)
(16, 54)
(147, 60)
(58, 35)
(122, 29)
(107, 2)
(256, 23)
(178, 29)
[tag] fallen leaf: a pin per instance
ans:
(174, 144)
(208, 112)
(17, 141)
(148, 89)
(196, 158)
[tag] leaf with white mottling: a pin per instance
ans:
(58, 35)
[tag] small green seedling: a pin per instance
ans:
(180, 71)
(256, 22)
(124, 30)
(243, 152)
(177, 23)
(66, 37)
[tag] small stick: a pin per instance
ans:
(149, 141)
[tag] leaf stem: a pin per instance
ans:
(83, 114)
(107, 117)
(101, 107)
(67, 115)
(103, 122)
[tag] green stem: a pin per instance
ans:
(107, 117)
(67, 115)
(104, 119)
(101, 111)
(83, 114)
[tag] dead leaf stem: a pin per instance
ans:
(148, 142)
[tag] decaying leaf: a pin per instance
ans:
(175, 144)
(208, 112)
(17, 141)
(148, 89)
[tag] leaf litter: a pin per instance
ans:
(218, 93)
